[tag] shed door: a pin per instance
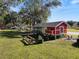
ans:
(61, 30)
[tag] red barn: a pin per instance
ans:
(53, 28)
(56, 28)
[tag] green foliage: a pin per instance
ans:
(21, 0)
(3, 12)
(78, 24)
(38, 10)
(35, 11)
(10, 18)
(71, 23)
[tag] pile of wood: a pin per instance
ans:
(28, 40)
(34, 37)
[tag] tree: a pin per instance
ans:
(38, 10)
(4, 9)
(6, 16)
(78, 24)
(6, 4)
(71, 23)
(3, 12)
(35, 11)
(10, 18)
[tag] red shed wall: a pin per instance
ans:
(50, 30)
(53, 30)
(64, 25)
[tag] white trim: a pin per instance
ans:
(61, 23)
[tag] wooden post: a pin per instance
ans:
(55, 32)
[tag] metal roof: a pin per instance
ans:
(50, 24)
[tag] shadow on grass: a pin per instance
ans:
(10, 34)
(76, 45)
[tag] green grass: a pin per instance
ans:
(75, 36)
(73, 30)
(13, 48)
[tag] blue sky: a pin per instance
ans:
(17, 8)
(69, 10)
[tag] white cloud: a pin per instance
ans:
(75, 2)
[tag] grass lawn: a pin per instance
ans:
(75, 36)
(73, 30)
(13, 48)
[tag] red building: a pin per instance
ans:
(53, 28)
(56, 28)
